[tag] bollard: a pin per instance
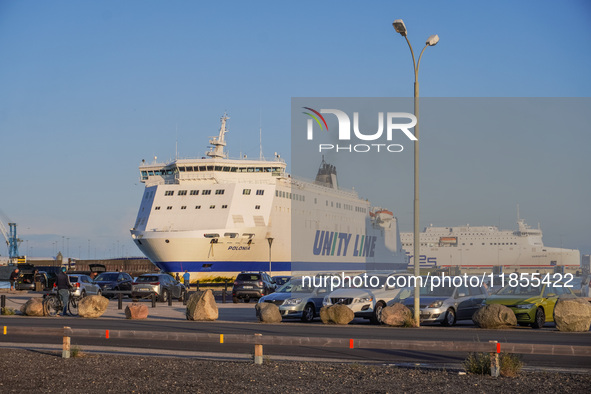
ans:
(495, 368)
(185, 297)
(197, 285)
(153, 300)
(120, 301)
(66, 345)
(225, 292)
(3, 301)
(169, 299)
(258, 352)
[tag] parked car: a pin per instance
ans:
(532, 305)
(444, 304)
(110, 282)
(163, 285)
(367, 302)
(252, 285)
(281, 280)
(297, 302)
(83, 286)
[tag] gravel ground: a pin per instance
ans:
(42, 372)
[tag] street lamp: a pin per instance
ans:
(431, 41)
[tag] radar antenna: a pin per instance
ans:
(218, 143)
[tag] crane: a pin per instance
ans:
(12, 241)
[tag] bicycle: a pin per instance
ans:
(52, 305)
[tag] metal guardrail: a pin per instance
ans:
(258, 340)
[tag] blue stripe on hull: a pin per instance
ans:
(237, 266)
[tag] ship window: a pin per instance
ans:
(327, 203)
(150, 172)
(276, 193)
(257, 207)
(206, 192)
(169, 207)
(250, 169)
(234, 169)
(184, 207)
(156, 208)
(182, 169)
(144, 173)
(194, 192)
(197, 206)
(219, 191)
(202, 168)
(169, 193)
(168, 172)
(224, 206)
(211, 206)
(209, 168)
(226, 169)
(195, 168)
(246, 192)
(182, 192)
(315, 200)
(260, 192)
(189, 169)
(218, 168)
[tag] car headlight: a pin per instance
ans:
(525, 306)
(292, 301)
(326, 301)
(436, 304)
(362, 300)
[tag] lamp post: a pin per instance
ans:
(431, 41)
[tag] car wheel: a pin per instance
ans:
(308, 313)
(247, 300)
(235, 300)
(164, 297)
(540, 319)
(83, 293)
(377, 313)
(450, 318)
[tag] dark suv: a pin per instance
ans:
(252, 285)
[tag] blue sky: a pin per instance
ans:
(89, 89)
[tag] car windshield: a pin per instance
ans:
(147, 279)
(73, 278)
(295, 286)
(520, 290)
(249, 277)
(436, 291)
(107, 277)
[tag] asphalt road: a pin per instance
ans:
(316, 329)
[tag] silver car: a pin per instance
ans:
(444, 304)
(163, 285)
(297, 302)
(83, 285)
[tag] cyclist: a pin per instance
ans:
(63, 289)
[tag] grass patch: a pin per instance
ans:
(479, 364)
(8, 311)
(76, 352)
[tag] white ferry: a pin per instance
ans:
(216, 216)
(485, 248)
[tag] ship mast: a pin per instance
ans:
(218, 143)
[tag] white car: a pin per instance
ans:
(82, 286)
(366, 301)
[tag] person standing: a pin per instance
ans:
(187, 279)
(63, 289)
(13, 278)
(178, 279)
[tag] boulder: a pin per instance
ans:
(336, 314)
(397, 315)
(92, 306)
(201, 306)
(572, 314)
(33, 307)
(267, 312)
(494, 316)
(136, 311)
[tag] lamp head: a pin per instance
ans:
(399, 27)
(432, 40)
